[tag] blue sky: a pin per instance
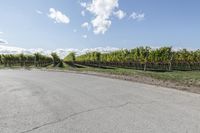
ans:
(38, 24)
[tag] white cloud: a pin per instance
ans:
(85, 36)
(38, 12)
(102, 10)
(83, 13)
(137, 16)
(98, 49)
(83, 4)
(120, 14)
(10, 50)
(3, 41)
(1, 32)
(61, 52)
(58, 16)
(101, 25)
(86, 25)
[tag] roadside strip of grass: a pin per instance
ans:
(182, 80)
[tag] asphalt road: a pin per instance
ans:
(55, 102)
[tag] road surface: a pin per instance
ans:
(55, 102)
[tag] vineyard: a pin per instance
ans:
(142, 58)
(37, 60)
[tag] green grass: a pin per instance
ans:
(183, 77)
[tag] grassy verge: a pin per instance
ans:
(188, 78)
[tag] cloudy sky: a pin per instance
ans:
(52, 24)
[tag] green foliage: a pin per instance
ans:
(143, 58)
(89, 57)
(25, 60)
(42, 60)
(56, 59)
(146, 58)
(61, 64)
(71, 58)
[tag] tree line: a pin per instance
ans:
(143, 58)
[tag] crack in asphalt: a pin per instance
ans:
(82, 112)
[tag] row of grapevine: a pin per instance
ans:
(22, 60)
(70, 58)
(145, 58)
